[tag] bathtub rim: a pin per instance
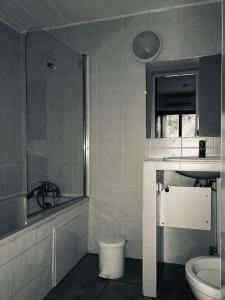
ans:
(47, 217)
(42, 211)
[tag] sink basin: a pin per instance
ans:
(194, 158)
(197, 174)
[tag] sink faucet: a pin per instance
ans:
(202, 148)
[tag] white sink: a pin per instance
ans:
(194, 158)
(197, 174)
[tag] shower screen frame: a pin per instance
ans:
(85, 70)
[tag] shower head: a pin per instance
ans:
(51, 65)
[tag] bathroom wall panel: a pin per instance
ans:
(109, 134)
(11, 131)
(117, 88)
(222, 204)
(170, 29)
(81, 38)
(133, 87)
(194, 37)
(195, 152)
(166, 143)
(109, 94)
(108, 38)
(11, 52)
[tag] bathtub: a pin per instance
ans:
(39, 249)
(17, 212)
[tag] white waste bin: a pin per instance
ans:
(111, 256)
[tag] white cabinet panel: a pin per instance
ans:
(6, 253)
(82, 225)
(23, 269)
(24, 242)
(186, 207)
(82, 247)
(44, 283)
(67, 246)
(27, 293)
(73, 213)
(6, 281)
(44, 231)
(43, 254)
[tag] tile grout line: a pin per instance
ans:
(107, 283)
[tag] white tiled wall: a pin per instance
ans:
(117, 109)
(222, 207)
(11, 111)
(167, 147)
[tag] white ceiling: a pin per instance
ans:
(24, 14)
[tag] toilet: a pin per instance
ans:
(203, 276)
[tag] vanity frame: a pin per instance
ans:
(150, 212)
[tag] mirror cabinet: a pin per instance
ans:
(184, 98)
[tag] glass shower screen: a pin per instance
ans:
(55, 115)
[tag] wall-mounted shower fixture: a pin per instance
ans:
(43, 192)
(46, 64)
(51, 65)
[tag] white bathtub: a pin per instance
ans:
(17, 212)
(32, 259)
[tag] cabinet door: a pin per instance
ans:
(27, 292)
(43, 283)
(43, 255)
(209, 100)
(6, 281)
(68, 239)
(23, 269)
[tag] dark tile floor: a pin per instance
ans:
(83, 283)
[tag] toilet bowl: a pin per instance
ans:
(203, 276)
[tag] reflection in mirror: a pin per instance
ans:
(184, 97)
(175, 103)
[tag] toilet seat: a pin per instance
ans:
(203, 275)
(211, 277)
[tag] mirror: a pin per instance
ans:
(184, 97)
(175, 97)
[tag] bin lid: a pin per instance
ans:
(112, 241)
